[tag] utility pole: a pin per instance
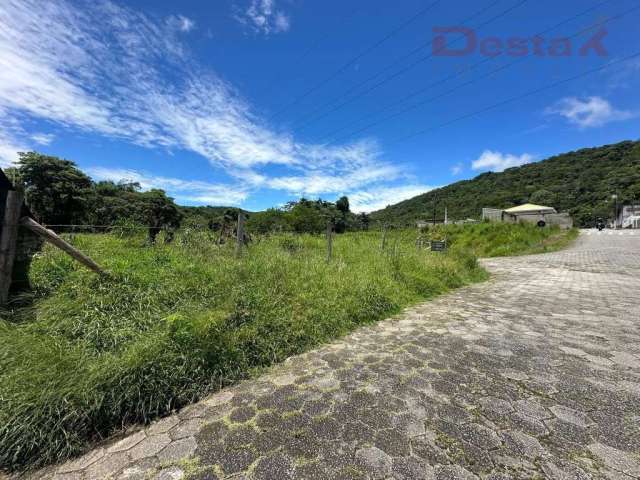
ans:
(240, 234)
(446, 220)
(329, 240)
(615, 210)
(435, 203)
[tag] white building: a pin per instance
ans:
(528, 212)
(629, 217)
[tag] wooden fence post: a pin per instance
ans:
(329, 240)
(240, 234)
(53, 238)
(383, 244)
(9, 242)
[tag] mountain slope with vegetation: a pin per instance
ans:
(580, 182)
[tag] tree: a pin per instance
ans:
(363, 221)
(343, 205)
(159, 212)
(271, 220)
(307, 216)
(56, 191)
(543, 197)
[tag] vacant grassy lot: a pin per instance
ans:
(174, 322)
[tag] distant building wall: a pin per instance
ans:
(492, 214)
(563, 220)
(626, 212)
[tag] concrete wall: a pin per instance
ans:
(564, 220)
(627, 211)
(492, 214)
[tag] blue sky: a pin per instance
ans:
(257, 102)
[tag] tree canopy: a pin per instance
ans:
(59, 193)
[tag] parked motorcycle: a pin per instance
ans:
(600, 225)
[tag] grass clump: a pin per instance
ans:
(503, 239)
(173, 322)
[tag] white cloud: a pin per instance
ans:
(497, 162)
(588, 112)
(378, 198)
(10, 142)
(43, 138)
(103, 70)
(457, 169)
(263, 17)
(9, 150)
(191, 191)
(181, 23)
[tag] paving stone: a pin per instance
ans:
(186, 428)
(127, 442)
(82, 462)
(616, 459)
(411, 468)
(170, 473)
(523, 444)
(531, 408)
(453, 472)
(109, 465)
(274, 466)
(570, 415)
(564, 471)
(163, 425)
(375, 461)
(178, 450)
(150, 446)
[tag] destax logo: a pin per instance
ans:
(447, 42)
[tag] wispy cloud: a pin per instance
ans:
(181, 23)
(588, 112)
(378, 198)
(103, 70)
(9, 149)
(457, 169)
(262, 16)
(191, 191)
(497, 161)
(43, 138)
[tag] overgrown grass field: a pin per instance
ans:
(173, 322)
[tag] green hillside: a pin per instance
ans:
(579, 182)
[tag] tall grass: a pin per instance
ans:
(173, 322)
(503, 239)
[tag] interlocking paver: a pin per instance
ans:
(533, 374)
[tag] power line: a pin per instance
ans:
(439, 82)
(516, 98)
(406, 69)
(353, 60)
(397, 61)
(450, 91)
(275, 79)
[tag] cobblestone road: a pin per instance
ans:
(534, 374)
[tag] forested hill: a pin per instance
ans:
(580, 182)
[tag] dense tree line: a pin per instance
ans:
(301, 216)
(59, 193)
(581, 183)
